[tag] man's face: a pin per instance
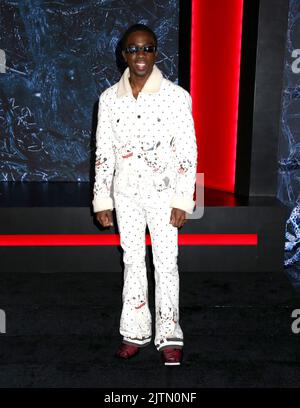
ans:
(140, 63)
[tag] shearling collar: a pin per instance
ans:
(152, 84)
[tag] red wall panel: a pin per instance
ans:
(214, 86)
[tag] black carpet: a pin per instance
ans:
(63, 331)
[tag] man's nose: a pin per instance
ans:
(141, 51)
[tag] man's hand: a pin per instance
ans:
(177, 217)
(105, 218)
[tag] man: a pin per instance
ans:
(146, 135)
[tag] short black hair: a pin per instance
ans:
(133, 29)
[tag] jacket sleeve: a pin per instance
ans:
(105, 160)
(185, 147)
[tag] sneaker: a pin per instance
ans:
(127, 351)
(172, 356)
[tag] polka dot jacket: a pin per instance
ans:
(146, 146)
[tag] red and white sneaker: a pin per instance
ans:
(171, 356)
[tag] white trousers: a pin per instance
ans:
(135, 324)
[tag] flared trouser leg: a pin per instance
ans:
(164, 240)
(135, 321)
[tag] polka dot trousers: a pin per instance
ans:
(135, 324)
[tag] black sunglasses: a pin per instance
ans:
(133, 49)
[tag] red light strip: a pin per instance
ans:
(114, 239)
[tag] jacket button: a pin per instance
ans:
(139, 116)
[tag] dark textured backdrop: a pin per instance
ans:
(289, 144)
(60, 56)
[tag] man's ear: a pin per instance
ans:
(124, 56)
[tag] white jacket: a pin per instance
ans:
(146, 145)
